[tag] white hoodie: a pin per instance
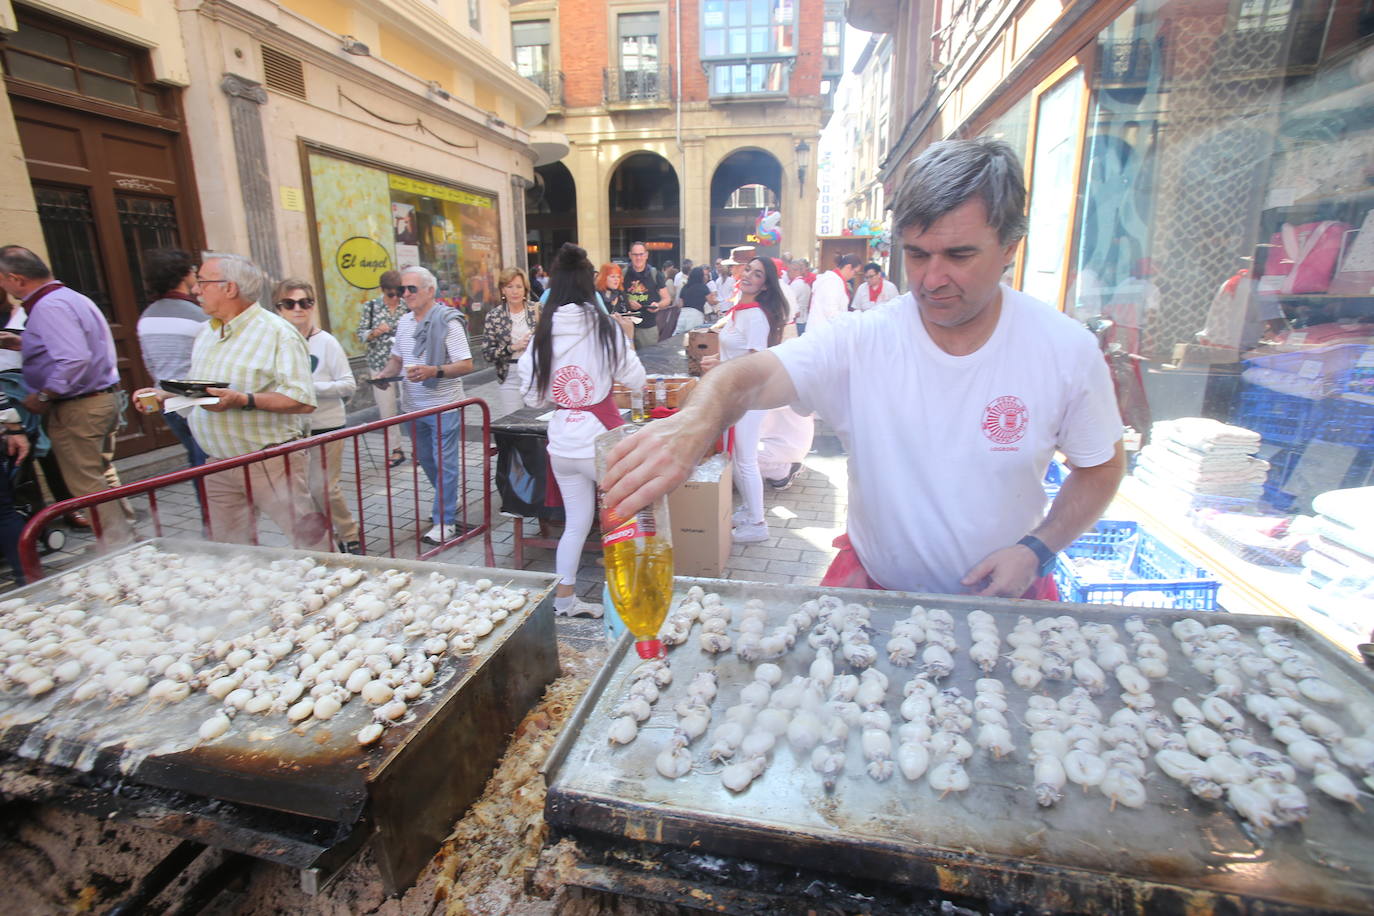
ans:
(580, 378)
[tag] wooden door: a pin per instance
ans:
(107, 190)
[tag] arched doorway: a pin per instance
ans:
(550, 213)
(644, 197)
(746, 185)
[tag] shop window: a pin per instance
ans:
(51, 56)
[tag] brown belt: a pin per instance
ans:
(89, 394)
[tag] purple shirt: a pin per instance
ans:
(67, 346)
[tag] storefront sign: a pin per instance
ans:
(438, 191)
(362, 261)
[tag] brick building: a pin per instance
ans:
(684, 121)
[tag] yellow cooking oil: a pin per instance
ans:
(639, 571)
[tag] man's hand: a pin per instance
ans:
(36, 405)
(421, 373)
(1005, 573)
(17, 445)
(229, 399)
(652, 462)
(9, 341)
(149, 400)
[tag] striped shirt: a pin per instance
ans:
(256, 352)
(415, 395)
(166, 331)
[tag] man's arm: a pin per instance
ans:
(391, 369)
(270, 401)
(665, 297)
(657, 459)
(1085, 495)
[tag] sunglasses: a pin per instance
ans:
(296, 303)
(410, 289)
(391, 292)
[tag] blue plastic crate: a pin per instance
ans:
(1347, 422)
(1055, 475)
(1140, 570)
(1279, 418)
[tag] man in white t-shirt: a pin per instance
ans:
(830, 292)
(950, 402)
(874, 291)
(431, 350)
(801, 291)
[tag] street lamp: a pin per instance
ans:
(803, 151)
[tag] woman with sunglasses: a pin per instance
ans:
(755, 323)
(509, 329)
(334, 385)
(376, 330)
(577, 352)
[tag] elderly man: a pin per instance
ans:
(266, 366)
(801, 291)
(830, 292)
(874, 291)
(431, 346)
(647, 293)
(950, 402)
(69, 369)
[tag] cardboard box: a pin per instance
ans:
(700, 342)
(676, 389)
(699, 512)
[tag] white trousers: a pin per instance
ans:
(748, 480)
(577, 482)
(508, 397)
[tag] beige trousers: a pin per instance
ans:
(284, 495)
(83, 439)
(324, 489)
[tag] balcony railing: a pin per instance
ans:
(651, 85)
(551, 81)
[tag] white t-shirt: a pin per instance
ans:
(334, 382)
(863, 301)
(415, 395)
(744, 330)
(829, 300)
(580, 378)
(947, 453)
(801, 293)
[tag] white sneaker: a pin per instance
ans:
(750, 534)
(440, 533)
(579, 608)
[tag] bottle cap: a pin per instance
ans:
(650, 648)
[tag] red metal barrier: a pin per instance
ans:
(467, 527)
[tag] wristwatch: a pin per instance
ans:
(251, 403)
(1042, 553)
(439, 372)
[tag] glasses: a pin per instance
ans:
(391, 292)
(203, 280)
(410, 289)
(305, 303)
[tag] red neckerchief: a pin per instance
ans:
(38, 295)
(1230, 285)
(873, 293)
(741, 307)
(184, 297)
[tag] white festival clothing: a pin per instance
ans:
(577, 487)
(829, 300)
(801, 294)
(862, 300)
(744, 330)
(947, 453)
(579, 379)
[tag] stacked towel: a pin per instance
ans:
(1197, 459)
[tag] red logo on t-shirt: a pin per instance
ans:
(1005, 419)
(572, 387)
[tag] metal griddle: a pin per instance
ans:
(993, 842)
(306, 796)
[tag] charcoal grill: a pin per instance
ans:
(308, 798)
(991, 844)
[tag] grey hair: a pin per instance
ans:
(952, 172)
(430, 282)
(16, 259)
(240, 271)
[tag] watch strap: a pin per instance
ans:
(1042, 553)
(439, 372)
(251, 404)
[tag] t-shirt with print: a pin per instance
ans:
(947, 453)
(745, 330)
(645, 289)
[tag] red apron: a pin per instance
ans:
(609, 415)
(846, 571)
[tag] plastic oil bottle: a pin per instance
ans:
(639, 559)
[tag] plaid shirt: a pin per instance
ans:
(256, 352)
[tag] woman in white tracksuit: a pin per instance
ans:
(576, 353)
(754, 323)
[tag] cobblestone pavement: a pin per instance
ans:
(803, 519)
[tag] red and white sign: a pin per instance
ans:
(1005, 419)
(572, 387)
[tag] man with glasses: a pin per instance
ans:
(377, 330)
(69, 369)
(431, 348)
(266, 364)
(647, 294)
(874, 291)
